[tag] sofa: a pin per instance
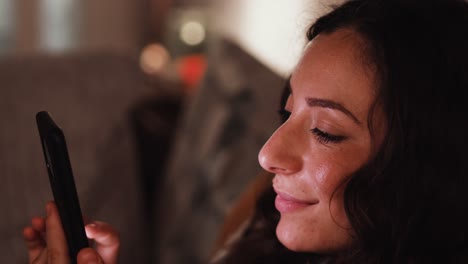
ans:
(164, 169)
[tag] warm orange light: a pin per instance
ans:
(154, 58)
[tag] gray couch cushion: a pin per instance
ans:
(215, 156)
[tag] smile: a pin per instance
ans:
(285, 203)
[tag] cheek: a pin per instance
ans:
(325, 227)
(325, 178)
(321, 177)
(329, 170)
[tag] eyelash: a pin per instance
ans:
(324, 137)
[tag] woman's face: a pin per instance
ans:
(323, 142)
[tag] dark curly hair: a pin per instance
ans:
(409, 204)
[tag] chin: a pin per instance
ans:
(292, 238)
(298, 239)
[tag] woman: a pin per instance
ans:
(375, 173)
(369, 164)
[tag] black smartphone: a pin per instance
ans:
(62, 183)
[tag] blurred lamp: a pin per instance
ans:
(154, 57)
(192, 33)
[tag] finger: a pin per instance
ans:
(89, 256)
(55, 237)
(34, 243)
(41, 259)
(107, 240)
(87, 220)
(38, 223)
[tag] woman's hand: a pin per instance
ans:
(46, 241)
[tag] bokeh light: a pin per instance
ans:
(192, 33)
(154, 58)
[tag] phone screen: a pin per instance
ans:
(62, 183)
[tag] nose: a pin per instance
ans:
(281, 153)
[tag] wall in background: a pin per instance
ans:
(70, 25)
(6, 25)
(273, 31)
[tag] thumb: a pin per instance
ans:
(107, 240)
(89, 256)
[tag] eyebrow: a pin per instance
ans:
(317, 102)
(313, 102)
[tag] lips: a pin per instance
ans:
(286, 203)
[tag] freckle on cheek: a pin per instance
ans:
(321, 175)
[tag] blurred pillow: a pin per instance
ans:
(215, 153)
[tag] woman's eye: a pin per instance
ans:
(284, 115)
(324, 137)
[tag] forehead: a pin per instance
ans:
(333, 68)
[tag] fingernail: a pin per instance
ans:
(93, 226)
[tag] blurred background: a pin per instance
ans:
(271, 31)
(164, 103)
